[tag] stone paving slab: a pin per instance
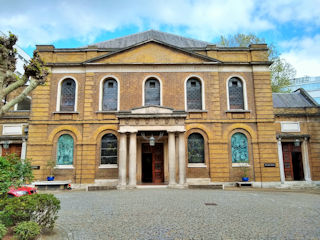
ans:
(188, 214)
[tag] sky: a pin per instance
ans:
(293, 26)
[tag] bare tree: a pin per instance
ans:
(35, 73)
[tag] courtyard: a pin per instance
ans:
(187, 214)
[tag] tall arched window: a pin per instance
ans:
(239, 148)
(110, 95)
(235, 88)
(65, 150)
(195, 148)
(152, 92)
(194, 96)
(68, 95)
(109, 149)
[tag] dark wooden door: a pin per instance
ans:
(292, 161)
(152, 163)
(13, 148)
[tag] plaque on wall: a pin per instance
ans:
(269, 165)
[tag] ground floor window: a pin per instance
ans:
(109, 149)
(65, 150)
(239, 146)
(195, 148)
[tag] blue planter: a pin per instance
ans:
(245, 179)
(50, 178)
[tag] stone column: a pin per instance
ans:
(305, 159)
(182, 159)
(172, 156)
(133, 160)
(122, 161)
(280, 157)
(23, 149)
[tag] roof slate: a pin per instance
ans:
(168, 38)
(290, 100)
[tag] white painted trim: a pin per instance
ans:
(108, 166)
(244, 89)
(159, 68)
(197, 165)
(64, 167)
(59, 93)
(103, 79)
(202, 91)
(143, 86)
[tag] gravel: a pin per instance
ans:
(187, 214)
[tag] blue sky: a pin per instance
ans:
(293, 26)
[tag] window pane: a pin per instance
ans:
(24, 105)
(110, 95)
(109, 149)
(195, 148)
(152, 92)
(239, 145)
(68, 90)
(194, 98)
(65, 150)
(236, 94)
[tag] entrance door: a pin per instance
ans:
(152, 163)
(13, 148)
(292, 159)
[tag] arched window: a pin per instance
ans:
(68, 93)
(235, 88)
(195, 148)
(110, 95)
(194, 96)
(239, 146)
(24, 105)
(152, 92)
(65, 150)
(109, 149)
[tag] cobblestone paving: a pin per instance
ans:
(182, 214)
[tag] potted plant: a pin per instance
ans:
(50, 167)
(244, 172)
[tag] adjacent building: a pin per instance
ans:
(310, 84)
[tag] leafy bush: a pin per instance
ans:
(27, 230)
(13, 172)
(40, 208)
(3, 230)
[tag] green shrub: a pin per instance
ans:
(3, 230)
(27, 230)
(40, 208)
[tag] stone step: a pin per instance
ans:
(101, 188)
(206, 186)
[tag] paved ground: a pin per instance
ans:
(183, 214)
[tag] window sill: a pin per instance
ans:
(64, 167)
(106, 112)
(238, 111)
(197, 165)
(196, 111)
(65, 112)
(240, 165)
(108, 166)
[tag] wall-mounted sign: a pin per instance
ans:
(290, 127)
(35, 167)
(269, 165)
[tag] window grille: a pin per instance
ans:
(236, 94)
(194, 96)
(109, 149)
(68, 90)
(65, 150)
(110, 95)
(195, 148)
(152, 92)
(239, 145)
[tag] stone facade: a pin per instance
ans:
(171, 122)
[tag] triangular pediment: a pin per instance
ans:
(152, 110)
(151, 52)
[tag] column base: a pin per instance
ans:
(121, 187)
(131, 186)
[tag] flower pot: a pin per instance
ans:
(245, 179)
(50, 178)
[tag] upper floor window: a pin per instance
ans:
(195, 148)
(110, 95)
(152, 92)
(235, 89)
(194, 94)
(239, 148)
(109, 149)
(24, 105)
(68, 95)
(65, 150)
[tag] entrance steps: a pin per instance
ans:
(203, 183)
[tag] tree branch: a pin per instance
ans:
(15, 85)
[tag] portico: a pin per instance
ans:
(138, 123)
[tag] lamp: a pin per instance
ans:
(6, 144)
(152, 140)
(297, 143)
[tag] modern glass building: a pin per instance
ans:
(310, 84)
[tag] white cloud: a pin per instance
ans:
(303, 54)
